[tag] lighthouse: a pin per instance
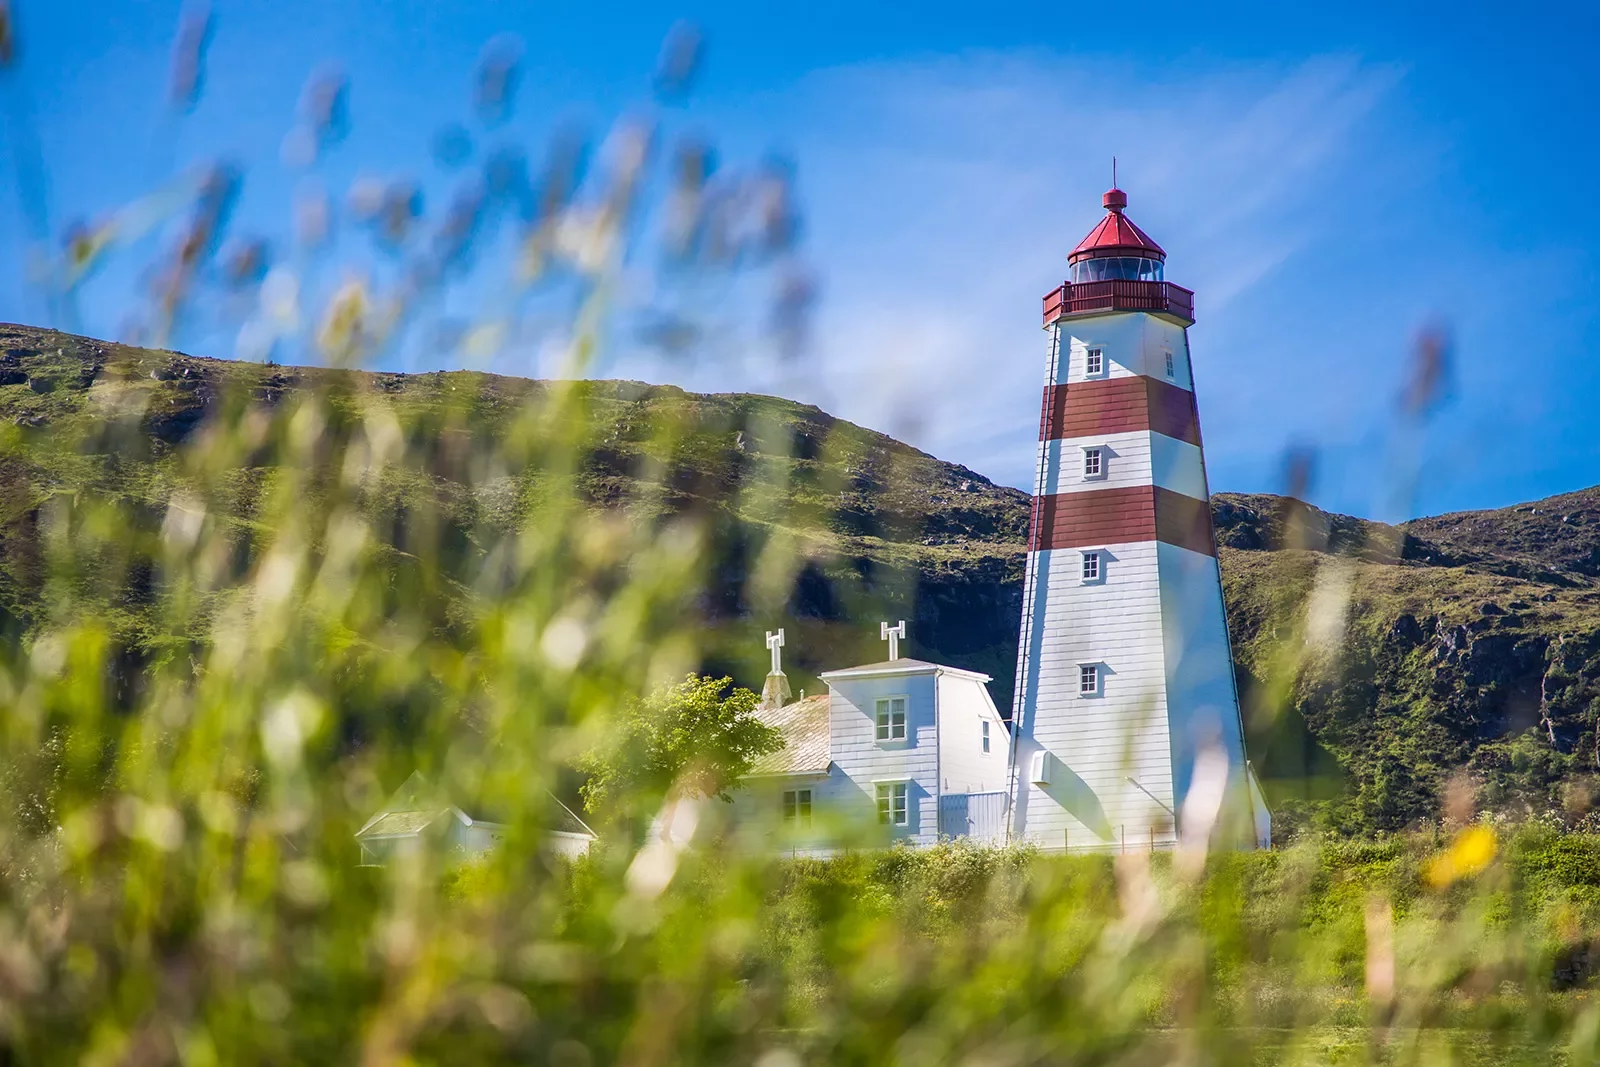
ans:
(1127, 732)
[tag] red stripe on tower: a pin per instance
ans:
(1119, 405)
(1119, 516)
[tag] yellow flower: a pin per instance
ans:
(1471, 851)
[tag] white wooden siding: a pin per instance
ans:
(1201, 699)
(838, 813)
(1098, 742)
(1134, 342)
(865, 761)
(964, 706)
(1138, 457)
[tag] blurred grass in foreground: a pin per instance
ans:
(178, 875)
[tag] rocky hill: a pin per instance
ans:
(1376, 662)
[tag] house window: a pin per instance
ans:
(1169, 364)
(1091, 566)
(986, 735)
(1088, 679)
(892, 803)
(797, 807)
(1094, 362)
(1093, 463)
(892, 719)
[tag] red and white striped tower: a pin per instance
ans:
(1124, 673)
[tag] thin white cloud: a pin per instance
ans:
(945, 195)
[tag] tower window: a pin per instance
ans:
(1091, 566)
(986, 735)
(891, 715)
(1094, 361)
(797, 807)
(1088, 679)
(1169, 364)
(1093, 462)
(892, 803)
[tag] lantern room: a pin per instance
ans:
(1118, 268)
(1116, 249)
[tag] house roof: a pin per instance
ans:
(909, 666)
(903, 666)
(1116, 235)
(804, 726)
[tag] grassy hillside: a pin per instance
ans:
(1377, 663)
(878, 529)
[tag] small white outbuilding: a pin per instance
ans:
(416, 817)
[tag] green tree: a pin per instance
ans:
(696, 737)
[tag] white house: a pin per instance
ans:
(902, 750)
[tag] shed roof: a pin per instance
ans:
(399, 823)
(418, 804)
(804, 726)
(564, 820)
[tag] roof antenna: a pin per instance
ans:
(1113, 172)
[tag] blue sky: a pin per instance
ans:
(1328, 181)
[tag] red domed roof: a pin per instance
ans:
(1116, 235)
